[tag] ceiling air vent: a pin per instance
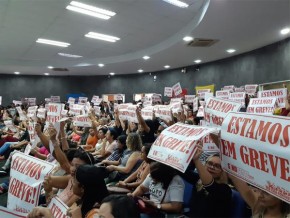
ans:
(59, 69)
(198, 42)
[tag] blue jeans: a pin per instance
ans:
(6, 146)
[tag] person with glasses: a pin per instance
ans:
(212, 196)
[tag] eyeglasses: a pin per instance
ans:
(214, 166)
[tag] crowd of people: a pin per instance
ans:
(104, 171)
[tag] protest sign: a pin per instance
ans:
(147, 103)
(176, 108)
(54, 112)
(240, 89)
(71, 100)
(195, 104)
(168, 91)
(207, 95)
(15, 102)
(97, 110)
(31, 112)
(26, 177)
(238, 97)
(216, 110)
(251, 89)
(98, 101)
(82, 100)
(94, 98)
(58, 208)
(47, 100)
(223, 94)
(163, 112)
(255, 148)
(41, 112)
(147, 113)
(189, 98)
(176, 100)
(131, 115)
(280, 94)
(8, 213)
(123, 111)
(31, 101)
(10, 125)
(201, 92)
(82, 120)
(118, 97)
(230, 88)
(177, 89)
(76, 109)
(200, 112)
(55, 99)
(31, 130)
(156, 98)
(22, 116)
(261, 105)
(176, 145)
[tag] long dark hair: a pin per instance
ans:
(162, 173)
(91, 178)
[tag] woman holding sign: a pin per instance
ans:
(212, 196)
(262, 203)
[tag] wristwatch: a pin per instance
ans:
(159, 206)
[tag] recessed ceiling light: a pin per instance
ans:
(166, 66)
(146, 57)
(112, 73)
(90, 10)
(52, 42)
(50, 67)
(140, 71)
(285, 31)
(16, 73)
(46, 74)
(197, 61)
(69, 55)
(101, 65)
(177, 3)
(103, 37)
(231, 50)
(187, 38)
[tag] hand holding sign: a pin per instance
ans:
(40, 212)
(52, 133)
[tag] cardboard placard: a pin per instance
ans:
(255, 149)
(26, 177)
(176, 145)
(261, 105)
(280, 94)
(216, 110)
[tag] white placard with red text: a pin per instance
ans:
(31, 112)
(147, 113)
(201, 92)
(22, 116)
(216, 110)
(230, 88)
(177, 89)
(240, 89)
(195, 104)
(10, 125)
(168, 91)
(238, 97)
(55, 99)
(189, 98)
(176, 145)
(94, 98)
(58, 208)
(223, 94)
(280, 94)
(15, 102)
(176, 100)
(82, 120)
(163, 112)
(123, 111)
(98, 101)
(256, 149)
(251, 89)
(261, 105)
(26, 178)
(97, 110)
(31, 101)
(132, 116)
(176, 108)
(71, 100)
(41, 113)
(82, 100)
(8, 213)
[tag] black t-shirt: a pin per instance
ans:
(148, 137)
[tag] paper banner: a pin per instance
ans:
(189, 98)
(7, 213)
(223, 94)
(280, 94)
(168, 91)
(177, 89)
(255, 148)
(176, 145)
(82, 120)
(55, 99)
(147, 113)
(58, 208)
(238, 97)
(261, 105)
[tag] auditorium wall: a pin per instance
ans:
(267, 64)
